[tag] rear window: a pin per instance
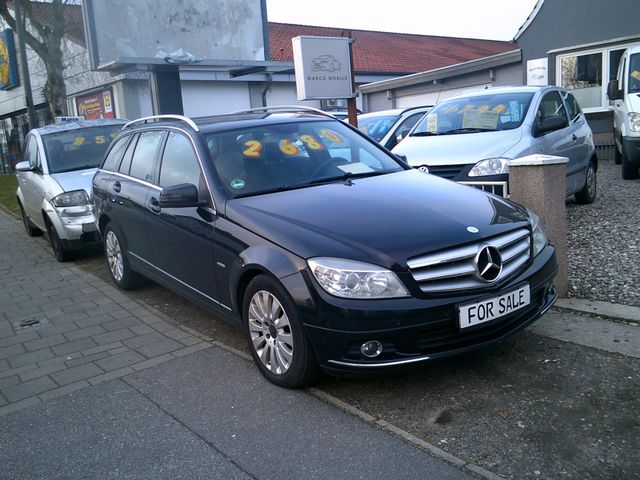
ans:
(78, 149)
(377, 126)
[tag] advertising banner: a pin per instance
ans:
(537, 71)
(96, 105)
(323, 67)
(8, 64)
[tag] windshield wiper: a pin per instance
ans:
(467, 130)
(343, 177)
(423, 134)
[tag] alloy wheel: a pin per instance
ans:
(270, 332)
(114, 256)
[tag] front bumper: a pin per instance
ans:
(75, 226)
(415, 330)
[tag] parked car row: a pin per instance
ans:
(312, 238)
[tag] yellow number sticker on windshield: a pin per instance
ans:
(288, 148)
(467, 108)
(113, 134)
(636, 74)
(333, 136)
(79, 141)
(483, 108)
(311, 142)
(253, 148)
(499, 109)
(100, 139)
(451, 109)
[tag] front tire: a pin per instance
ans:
(117, 262)
(629, 169)
(60, 250)
(588, 193)
(276, 337)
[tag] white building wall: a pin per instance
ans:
(200, 99)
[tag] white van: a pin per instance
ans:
(624, 92)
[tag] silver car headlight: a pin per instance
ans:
(490, 166)
(358, 280)
(539, 237)
(634, 121)
(74, 198)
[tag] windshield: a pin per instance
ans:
(285, 156)
(634, 73)
(485, 113)
(79, 148)
(376, 126)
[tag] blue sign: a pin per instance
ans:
(8, 64)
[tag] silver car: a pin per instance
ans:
(54, 181)
(389, 127)
(471, 138)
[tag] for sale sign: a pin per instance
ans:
(323, 67)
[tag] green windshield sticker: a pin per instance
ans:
(237, 183)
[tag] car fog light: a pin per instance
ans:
(371, 349)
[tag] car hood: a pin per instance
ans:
(76, 180)
(383, 220)
(458, 149)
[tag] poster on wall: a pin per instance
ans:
(8, 64)
(538, 71)
(96, 105)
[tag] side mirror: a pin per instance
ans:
(180, 196)
(613, 90)
(23, 167)
(550, 124)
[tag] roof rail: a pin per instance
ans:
(284, 108)
(182, 118)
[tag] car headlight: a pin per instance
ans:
(490, 166)
(634, 121)
(539, 237)
(74, 198)
(351, 279)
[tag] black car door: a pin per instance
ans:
(183, 238)
(131, 189)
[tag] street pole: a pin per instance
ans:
(26, 79)
(352, 109)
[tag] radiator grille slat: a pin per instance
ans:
(455, 269)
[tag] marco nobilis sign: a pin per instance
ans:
(323, 67)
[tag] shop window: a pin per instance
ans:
(583, 75)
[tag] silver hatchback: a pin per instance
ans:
(471, 138)
(54, 181)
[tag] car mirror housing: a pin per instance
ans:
(613, 90)
(550, 124)
(180, 196)
(23, 167)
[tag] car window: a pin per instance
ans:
(376, 126)
(79, 148)
(31, 152)
(144, 155)
(551, 106)
(479, 113)
(179, 162)
(114, 156)
(573, 109)
(634, 73)
(293, 155)
(125, 165)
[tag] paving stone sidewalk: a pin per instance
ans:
(62, 329)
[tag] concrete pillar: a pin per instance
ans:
(538, 182)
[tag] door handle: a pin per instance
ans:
(154, 205)
(117, 187)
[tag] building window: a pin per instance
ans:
(588, 73)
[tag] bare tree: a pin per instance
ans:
(44, 32)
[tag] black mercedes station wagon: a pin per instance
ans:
(330, 252)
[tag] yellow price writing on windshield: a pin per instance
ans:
(100, 139)
(253, 149)
(79, 141)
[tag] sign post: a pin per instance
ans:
(323, 68)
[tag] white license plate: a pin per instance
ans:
(492, 308)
